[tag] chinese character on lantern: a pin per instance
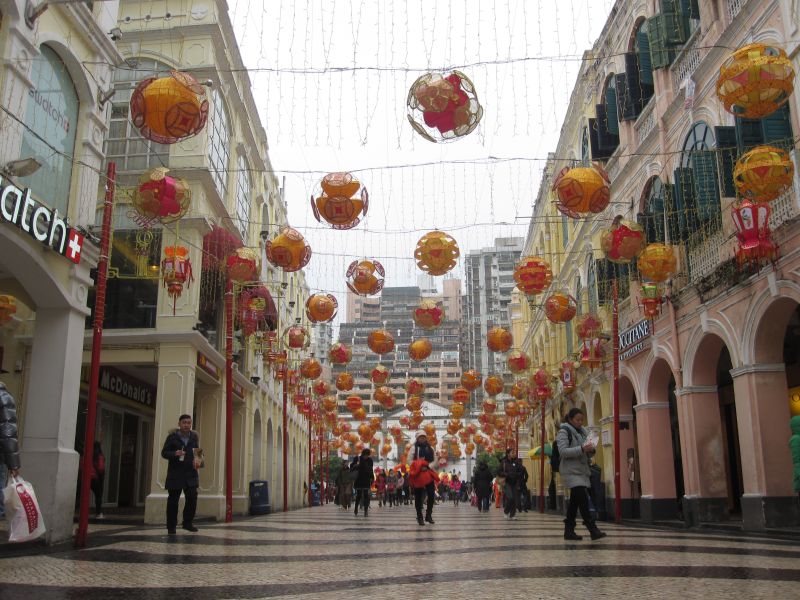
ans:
(337, 203)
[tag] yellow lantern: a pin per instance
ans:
(763, 173)
(499, 340)
(657, 262)
(755, 81)
(329, 403)
(362, 278)
(471, 379)
(583, 190)
(457, 410)
(560, 308)
(321, 308)
(289, 250)
(169, 109)
(429, 429)
(494, 385)
(460, 395)
(414, 403)
(344, 382)
(336, 204)
(380, 341)
(420, 349)
(310, 369)
(533, 275)
(511, 409)
(436, 252)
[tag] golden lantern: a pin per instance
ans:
(161, 197)
(362, 278)
(471, 379)
(428, 315)
(344, 382)
(429, 429)
(420, 349)
(460, 395)
(380, 341)
(321, 388)
(755, 81)
(518, 362)
(457, 410)
(359, 414)
(321, 308)
(469, 448)
(763, 173)
(500, 421)
(454, 426)
(436, 252)
(499, 339)
(379, 375)
(414, 387)
(588, 325)
(383, 396)
(386, 449)
(414, 403)
(375, 423)
(489, 406)
(494, 385)
(329, 403)
(289, 250)
(623, 241)
(533, 275)
(340, 354)
(353, 403)
(169, 109)
(583, 190)
(657, 262)
(443, 107)
(560, 308)
(337, 204)
(243, 265)
(511, 408)
(471, 429)
(310, 369)
(8, 308)
(519, 390)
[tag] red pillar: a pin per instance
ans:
(285, 443)
(543, 402)
(310, 464)
(229, 401)
(615, 345)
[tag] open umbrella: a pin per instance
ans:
(548, 451)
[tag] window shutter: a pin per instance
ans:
(660, 54)
(726, 158)
(676, 22)
(606, 142)
(594, 142)
(638, 92)
(749, 134)
(645, 63)
(777, 128)
(626, 109)
(706, 186)
(612, 117)
(680, 212)
(694, 9)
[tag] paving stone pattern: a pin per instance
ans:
(324, 552)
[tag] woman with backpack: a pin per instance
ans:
(362, 466)
(574, 450)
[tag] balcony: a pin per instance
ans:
(646, 122)
(734, 7)
(687, 61)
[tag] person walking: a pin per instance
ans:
(509, 469)
(401, 483)
(497, 490)
(422, 476)
(794, 445)
(9, 446)
(98, 475)
(575, 450)
(380, 488)
(482, 483)
(362, 465)
(524, 493)
(391, 487)
(455, 488)
(182, 476)
(344, 484)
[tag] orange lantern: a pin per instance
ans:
(518, 362)
(329, 403)
(623, 242)
(471, 379)
(386, 449)
(657, 262)
(379, 375)
(161, 197)
(360, 414)
(310, 369)
(383, 395)
(567, 373)
(469, 448)
(494, 385)
(169, 109)
(362, 278)
(420, 349)
(289, 250)
(428, 315)
(429, 429)
(297, 337)
(436, 253)
(763, 173)
(454, 426)
(499, 339)
(344, 382)
(489, 406)
(583, 190)
(500, 422)
(414, 387)
(321, 388)
(321, 308)
(176, 269)
(414, 403)
(243, 265)
(471, 429)
(8, 308)
(755, 81)
(588, 326)
(533, 275)
(460, 395)
(519, 390)
(560, 308)
(457, 410)
(340, 354)
(380, 341)
(353, 403)
(511, 408)
(443, 107)
(337, 204)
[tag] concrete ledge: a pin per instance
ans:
(658, 509)
(764, 512)
(698, 510)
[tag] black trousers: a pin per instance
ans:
(578, 501)
(510, 498)
(430, 491)
(362, 498)
(190, 493)
(97, 490)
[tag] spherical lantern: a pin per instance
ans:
(310, 369)
(414, 403)
(176, 269)
(365, 277)
(493, 385)
(415, 419)
(169, 109)
(321, 388)
(583, 189)
(755, 81)
(763, 173)
(353, 403)
(289, 250)
(380, 341)
(297, 337)
(518, 362)
(533, 275)
(471, 379)
(519, 390)
(623, 241)
(499, 339)
(511, 408)
(379, 375)
(454, 426)
(344, 382)
(428, 315)
(360, 414)
(489, 406)
(457, 410)
(8, 308)
(469, 448)
(337, 203)
(500, 422)
(243, 265)
(560, 308)
(329, 403)
(161, 197)
(460, 395)
(386, 449)
(436, 253)
(443, 107)
(340, 354)
(657, 262)
(383, 396)
(429, 429)
(420, 349)
(567, 376)
(414, 387)
(321, 308)
(588, 325)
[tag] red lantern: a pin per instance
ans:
(321, 388)
(297, 337)
(161, 197)
(177, 271)
(753, 234)
(518, 362)
(533, 275)
(588, 326)
(243, 265)
(310, 369)
(623, 242)
(560, 308)
(499, 340)
(511, 408)
(414, 387)
(519, 390)
(567, 373)
(542, 380)
(489, 406)
(443, 106)
(592, 353)
(340, 354)
(379, 375)
(256, 310)
(428, 315)
(353, 403)
(460, 395)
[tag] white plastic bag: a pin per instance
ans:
(25, 520)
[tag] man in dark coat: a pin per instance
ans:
(482, 482)
(179, 450)
(9, 448)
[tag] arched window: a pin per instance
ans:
(219, 143)
(654, 209)
(604, 130)
(51, 119)
(635, 86)
(243, 188)
(697, 196)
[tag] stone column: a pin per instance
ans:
(210, 413)
(49, 460)
(655, 460)
(762, 412)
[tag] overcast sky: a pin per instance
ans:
(331, 79)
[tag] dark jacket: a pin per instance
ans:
(9, 448)
(180, 473)
(523, 476)
(365, 472)
(482, 481)
(510, 469)
(416, 451)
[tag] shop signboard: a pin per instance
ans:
(635, 340)
(208, 367)
(124, 385)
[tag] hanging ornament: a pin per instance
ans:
(8, 308)
(379, 375)
(257, 311)
(541, 378)
(518, 362)
(428, 315)
(430, 430)
(345, 382)
(494, 385)
(651, 300)
(329, 403)
(657, 262)
(169, 109)
(310, 369)
(588, 325)
(533, 275)
(337, 203)
(755, 81)
(420, 349)
(414, 387)
(321, 308)
(297, 337)
(321, 388)
(414, 403)
(362, 278)
(753, 234)
(592, 353)
(471, 379)
(560, 308)
(567, 376)
(218, 244)
(383, 396)
(161, 197)
(243, 265)
(176, 269)
(763, 173)
(499, 340)
(583, 190)
(460, 395)
(353, 403)
(289, 250)
(443, 107)
(519, 390)
(623, 241)
(511, 408)
(436, 253)
(340, 354)
(380, 341)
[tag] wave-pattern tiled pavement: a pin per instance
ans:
(323, 552)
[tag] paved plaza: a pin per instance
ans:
(327, 553)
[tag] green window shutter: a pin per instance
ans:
(660, 55)
(612, 118)
(607, 142)
(645, 63)
(680, 212)
(598, 152)
(727, 154)
(660, 233)
(706, 185)
(694, 9)
(749, 134)
(777, 128)
(626, 105)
